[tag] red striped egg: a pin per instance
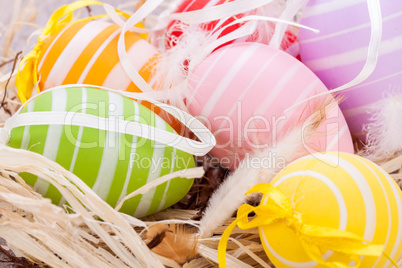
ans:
(263, 33)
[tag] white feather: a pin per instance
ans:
(171, 75)
(260, 167)
(384, 131)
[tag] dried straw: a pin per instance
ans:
(90, 233)
(96, 234)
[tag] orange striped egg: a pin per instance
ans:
(341, 191)
(86, 53)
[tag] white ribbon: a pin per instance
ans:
(137, 17)
(199, 148)
(199, 16)
(190, 173)
(292, 7)
(192, 17)
(230, 9)
(374, 8)
(245, 30)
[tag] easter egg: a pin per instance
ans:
(113, 164)
(189, 5)
(262, 34)
(241, 93)
(86, 53)
(340, 191)
(338, 53)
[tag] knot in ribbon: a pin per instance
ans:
(275, 207)
(295, 222)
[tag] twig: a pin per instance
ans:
(89, 11)
(6, 62)
(15, 260)
(9, 79)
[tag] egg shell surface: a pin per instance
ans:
(111, 163)
(341, 191)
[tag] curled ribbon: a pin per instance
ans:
(373, 52)
(199, 148)
(313, 238)
(27, 74)
(213, 40)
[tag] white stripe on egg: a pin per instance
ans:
(96, 56)
(200, 82)
(157, 158)
(386, 199)
(51, 46)
(354, 56)
(337, 138)
(80, 130)
(365, 190)
(330, 7)
(72, 52)
(278, 89)
(110, 156)
(26, 137)
(53, 137)
(84, 100)
(349, 30)
(251, 85)
(399, 205)
(343, 213)
(164, 197)
(228, 78)
(133, 150)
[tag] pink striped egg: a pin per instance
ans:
(338, 53)
(241, 92)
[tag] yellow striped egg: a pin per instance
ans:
(341, 191)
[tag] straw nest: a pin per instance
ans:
(90, 233)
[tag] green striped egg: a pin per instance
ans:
(112, 164)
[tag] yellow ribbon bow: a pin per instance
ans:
(27, 75)
(313, 238)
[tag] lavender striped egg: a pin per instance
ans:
(241, 92)
(338, 53)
